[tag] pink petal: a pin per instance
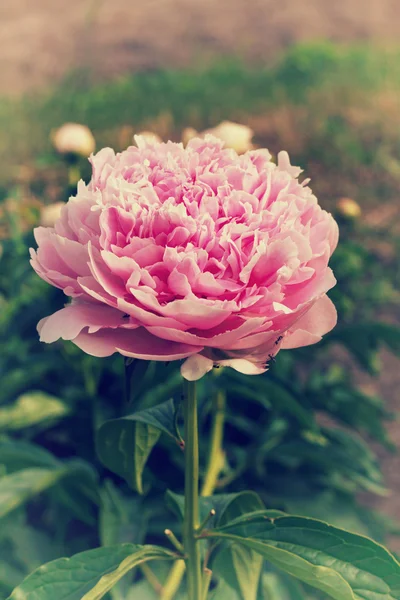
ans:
(242, 366)
(68, 322)
(138, 343)
(213, 339)
(310, 328)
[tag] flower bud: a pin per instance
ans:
(73, 138)
(234, 135)
(348, 208)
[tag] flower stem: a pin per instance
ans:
(214, 465)
(191, 515)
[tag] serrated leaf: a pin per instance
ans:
(343, 565)
(30, 409)
(86, 576)
(124, 444)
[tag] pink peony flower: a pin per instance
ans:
(196, 253)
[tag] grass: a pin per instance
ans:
(335, 108)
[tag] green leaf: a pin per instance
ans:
(21, 486)
(363, 340)
(17, 488)
(16, 455)
(79, 491)
(142, 554)
(124, 444)
(9, 576)
(276, 586)
(226, 506)
(122, 518)
(86, 576)
(343, 565)
(31, 409)
(240, 568)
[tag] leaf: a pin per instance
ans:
(343, 565)
(142, 554)
(16, 455)
(226, 506)
(122, 518)
(31, 409)
(124, 444)
(86, 576)
(270, 393)
(363, 340)
(240, 568)
(79, 491)
(17, 488)
(9, 576)
(279, 587)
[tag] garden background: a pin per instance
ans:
(319, 79)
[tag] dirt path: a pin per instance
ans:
(42, 39)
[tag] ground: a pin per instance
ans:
(42, 40)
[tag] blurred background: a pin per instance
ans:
(320, 79)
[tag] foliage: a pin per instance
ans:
(299, 435)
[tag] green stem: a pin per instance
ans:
(215, 463)
(191, 517)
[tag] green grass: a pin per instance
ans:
(331, 106)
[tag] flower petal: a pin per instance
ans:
(137, 343)
(310, 328)
(195, 367)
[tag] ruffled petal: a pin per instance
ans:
(68, 322)
(309, 329)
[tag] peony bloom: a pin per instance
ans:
(73, 138)
(235, 136)
(196, 253)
